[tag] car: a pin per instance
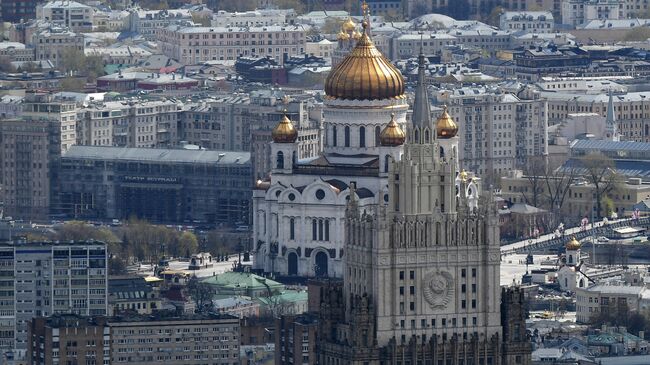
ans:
(603, 239)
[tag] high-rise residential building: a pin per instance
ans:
(498, 131)
(31, 150)
(187, 340)
(68, 339)
(296, 338)
(192, 45)
(46, 106)
(42, 279)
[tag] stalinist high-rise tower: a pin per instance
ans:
(421, 267)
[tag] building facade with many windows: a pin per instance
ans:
(43, 279)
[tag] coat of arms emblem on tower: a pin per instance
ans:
(438, 288)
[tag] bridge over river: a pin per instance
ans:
(552, 240)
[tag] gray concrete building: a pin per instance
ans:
(42, 279)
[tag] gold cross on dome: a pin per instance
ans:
(365, 8)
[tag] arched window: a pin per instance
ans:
(570, 259)
(362, 136)
(442, 152)
(327, 230)
(647, 129)
(386, 160)
(314, 230)
(334, 136)
(347, 136)
(280, 160)
(294, 157)
(417, 136)
(292, 229)
(426, 136)
(377, 134)
(320, 229)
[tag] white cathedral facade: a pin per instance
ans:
(299, 213)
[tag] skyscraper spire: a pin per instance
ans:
(421, 107)
(610, 123)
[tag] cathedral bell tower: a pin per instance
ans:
(284, 149)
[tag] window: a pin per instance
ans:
(412, 275)
(474, 272)
(292, 229)
(347, 136)
(280, 160)
(362, 136)
(401, 275)
(378, 133)
(334, 136)
(314, 230)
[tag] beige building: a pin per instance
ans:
(632, 110)
(613, 297)
(66, 13)
(42, 106)
(498, 132)
(322, 48)
(189, 340)
(52, 43)
(129, 124)
(30, 149)
(15, 51)
(192, 45)
(579, 200)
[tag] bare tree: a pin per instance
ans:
(599, 170)
(535, 172)
(202, 294)
(558, 182)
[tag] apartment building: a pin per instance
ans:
(129, 123)
(577, 12)
(631, 110)
(193, 45)
(53, 42)
(31, 149)
(498, 131)
(14, 51)
(148, 22)
(132, 294)
(66, 13)
(613, 296)
(527, 21)
(188, 340)
(296, 339)
(46, 106)
(68, 339)
(43, 279)
(254, 18)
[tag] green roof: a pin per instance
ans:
(241, 280)
(287, 296)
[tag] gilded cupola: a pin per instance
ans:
(573, 245)
(348, 26)
(284, 132)
(445, 125)
(364, 74)
(392, 135)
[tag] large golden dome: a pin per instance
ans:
(364, 74)
(284, 132)
(392, 135)
(445, 126)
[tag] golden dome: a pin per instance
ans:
(284, 132)
(356, 35)
(392, 135)
(348, 25)
(573, 245)
(364, 74)
(342, 36)
(463, 175)
(445, 126)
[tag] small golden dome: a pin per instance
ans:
(284, 132)
(342, 36)
(364, 74)
(573, 245)
(463, 175)
(445, 126)
(392, 135)
(356, 35)
(348, 25)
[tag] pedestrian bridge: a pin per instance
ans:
(553, 240)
